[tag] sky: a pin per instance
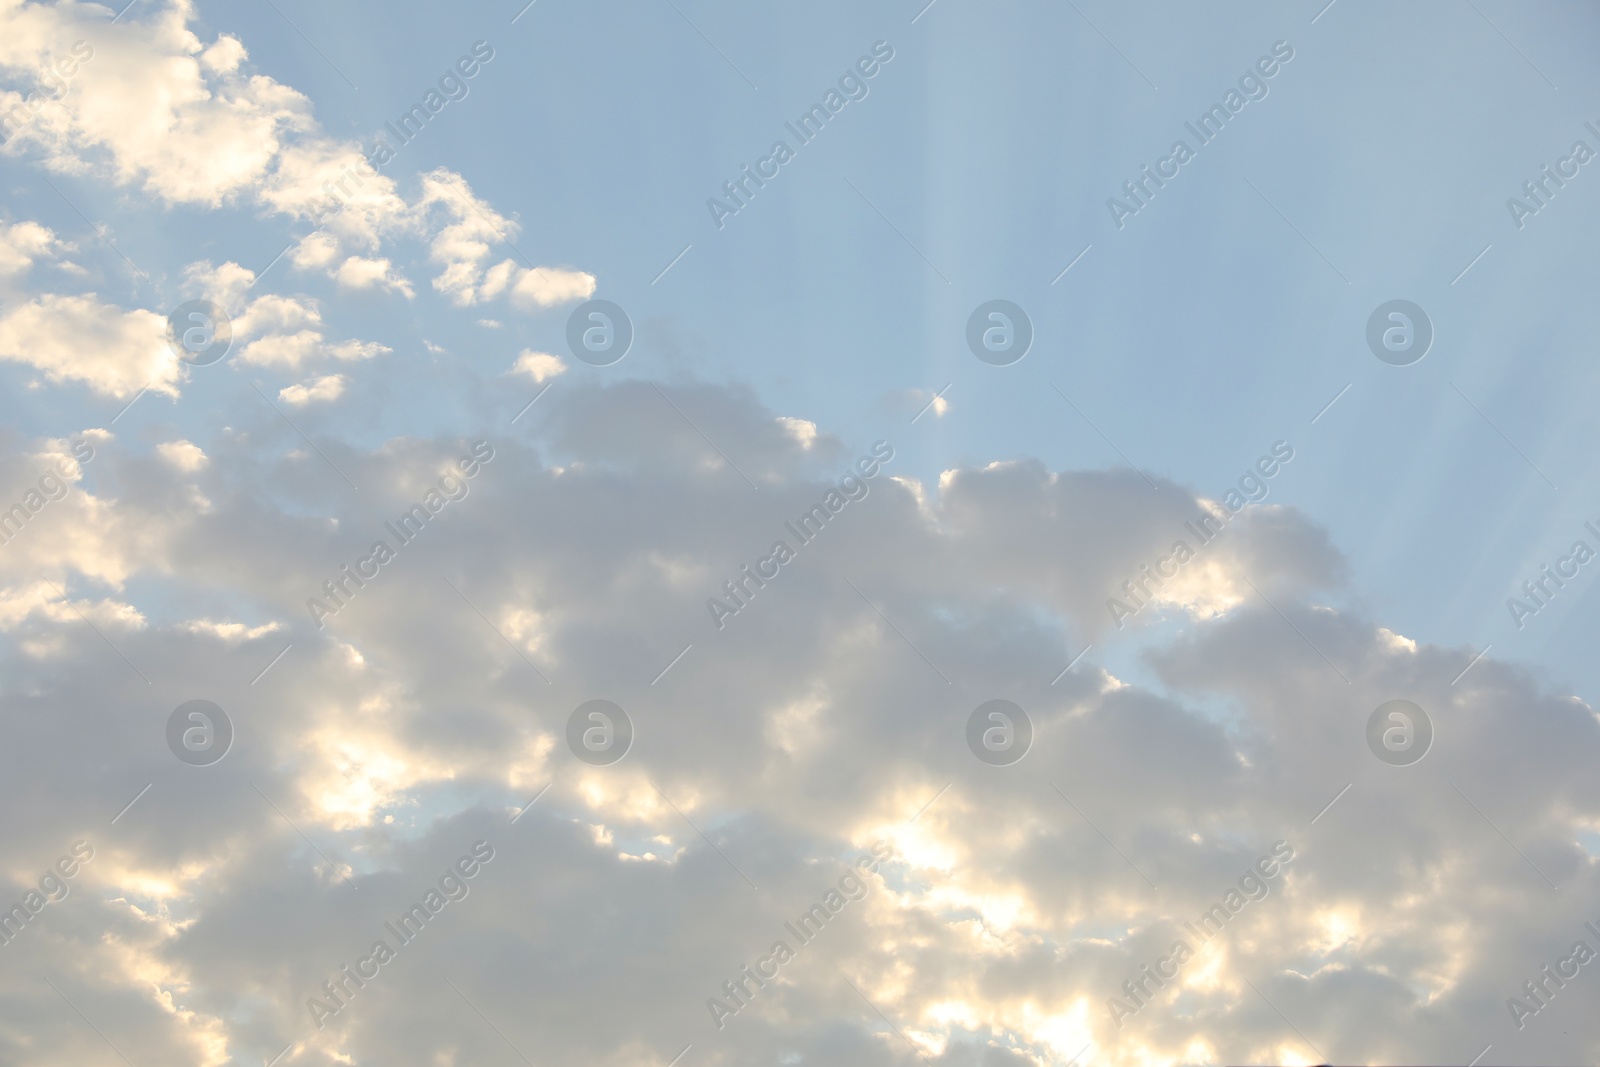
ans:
(979, 535)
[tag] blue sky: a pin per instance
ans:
(1194, 337)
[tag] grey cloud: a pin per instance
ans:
(791, 741)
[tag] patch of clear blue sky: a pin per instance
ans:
(1207, 328)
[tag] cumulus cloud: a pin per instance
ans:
(287, 333)
(154, 107)
(226, 284)
(802, 430)
(24, 243)
(542, 287)
(395, 711)
(358, 272)
(540, 366)
(462, 246)
(327, 388)
(187, 121)
(183, 455)
(291, 351)
(82, 339)
(838, 697)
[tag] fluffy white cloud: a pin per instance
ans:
(185, 456)
(152, 106)
(291, 351)
(227, 285)
(327, 388)
(156, 108)
(462, 245)
(542, 287)
(802, 430)
(24, 243)
(274, 314)
(540, 366)
(358, 272)
(286, 333)
(81, 339)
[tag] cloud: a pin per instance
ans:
(284, 351)
(539, 366)
(24, 243)
(72, 530)
(462, 246)
(185, 456)
(358, 273)
(402, 732)
(154, 108)
(43, 600)
(80, 339)
(325, 389)
(231, 632)
(915, 403)
(157, 109)
(576, 556)
(286, 333)
(802, 430)
(274, 314)
(544, 287)
(226, 284)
